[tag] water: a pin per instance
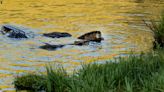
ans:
(120, 21)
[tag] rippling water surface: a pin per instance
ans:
(120, 22)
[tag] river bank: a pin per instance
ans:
(142, 73)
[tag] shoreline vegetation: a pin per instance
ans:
(158, 31)
(143, 73)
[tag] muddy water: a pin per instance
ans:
(120, 21)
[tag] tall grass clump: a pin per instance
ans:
(32, 82)
(144, 73)
(158, 30)
(129, 75)
(57, 80)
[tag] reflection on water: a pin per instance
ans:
(118, 20)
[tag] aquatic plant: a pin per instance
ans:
(144, 73)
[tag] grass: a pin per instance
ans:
(57, 80)
(144, 73)
(158, 30)
(32, 82)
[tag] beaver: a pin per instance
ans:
(51, 47)
(92, 36)
(57, 34)
(14, 32)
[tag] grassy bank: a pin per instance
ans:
(144, 73)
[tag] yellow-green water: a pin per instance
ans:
(120, 21)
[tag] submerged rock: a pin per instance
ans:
(92, 36)
(15, 32)
(57, 35)
(50, 47)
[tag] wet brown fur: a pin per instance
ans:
(92, 36)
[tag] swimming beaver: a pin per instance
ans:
(92, 36)
(57, 34)
(15, 32)
(51, 47)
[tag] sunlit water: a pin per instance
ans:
(120, 22)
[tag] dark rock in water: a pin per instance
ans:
(92, 36)
(57, 35)
(14, 32)
(50, 47)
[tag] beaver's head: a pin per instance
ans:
(5, 30)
